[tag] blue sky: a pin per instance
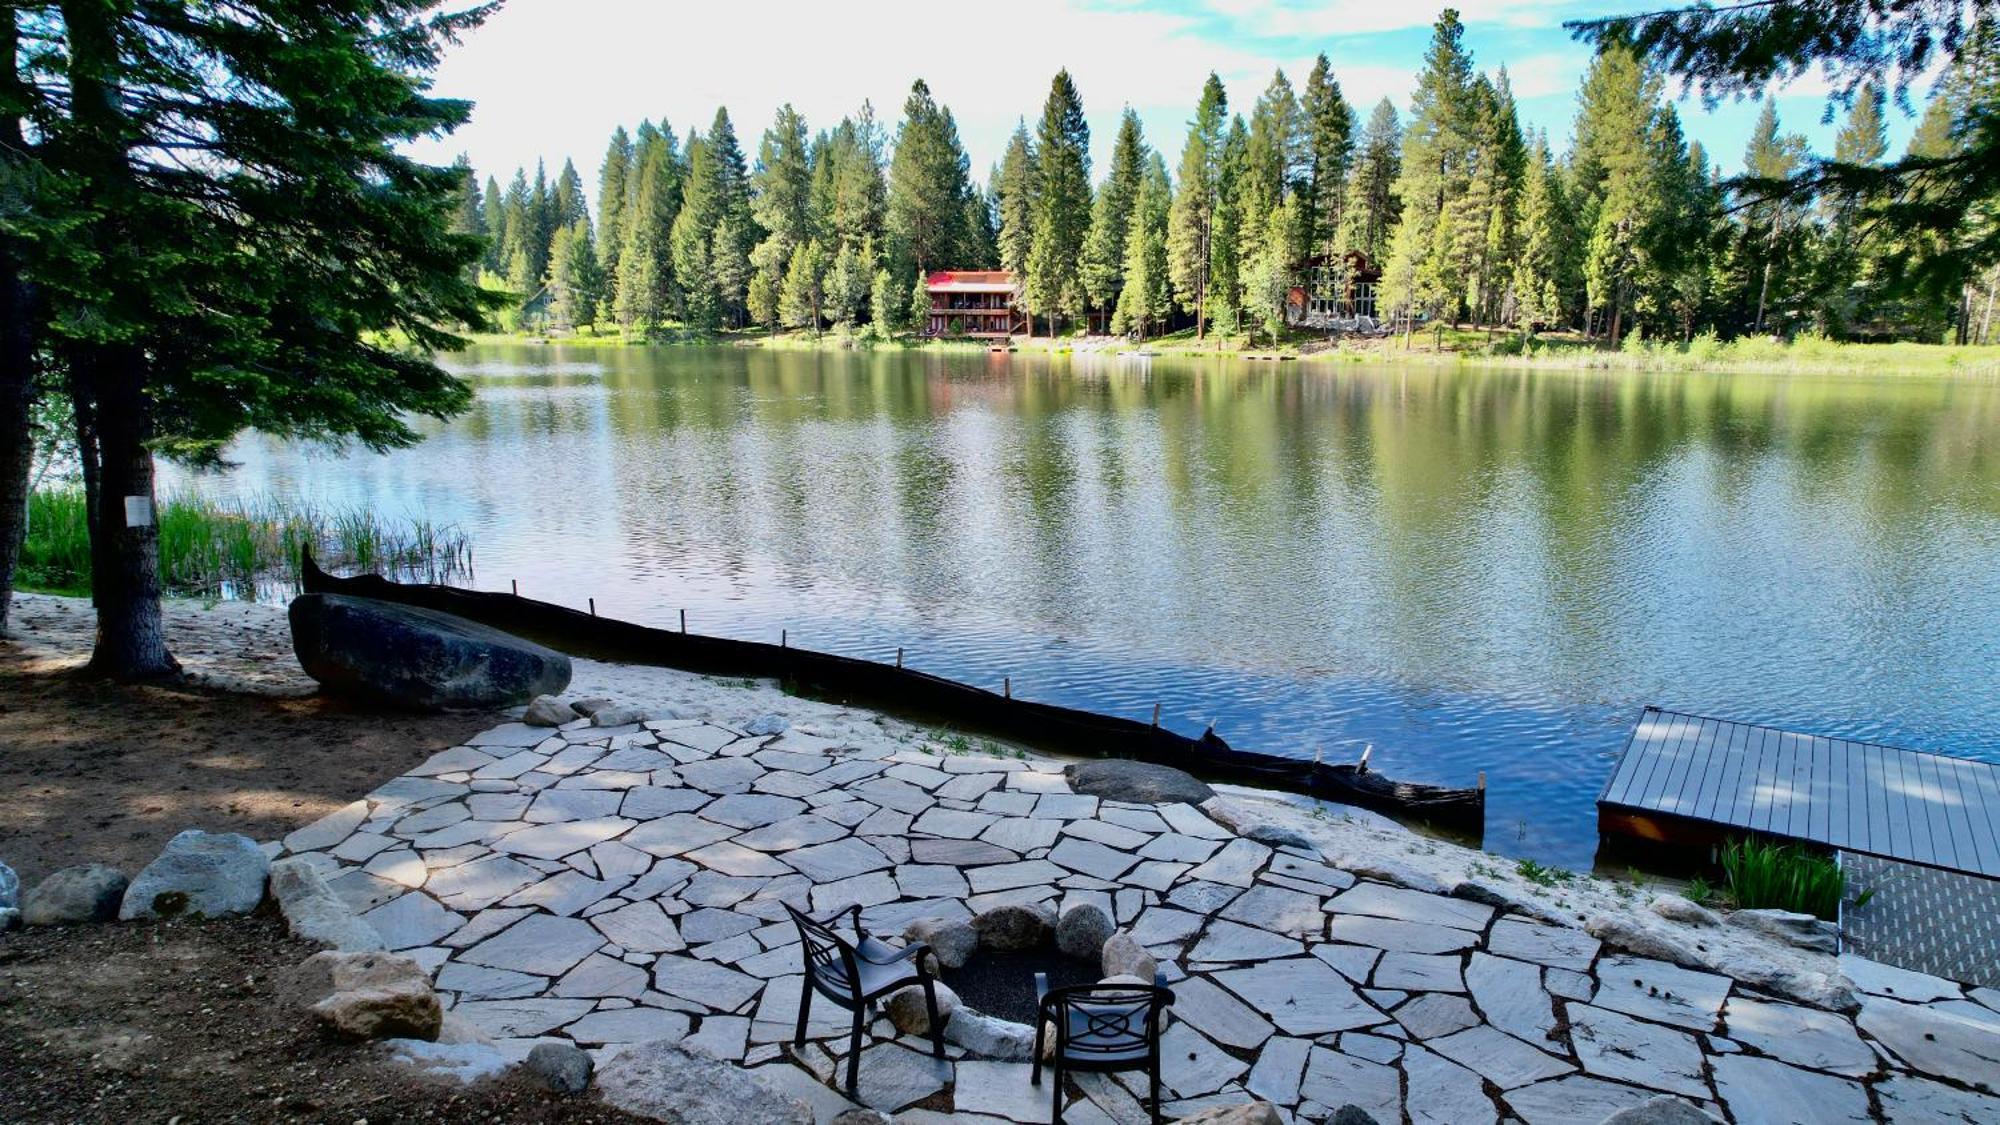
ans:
(552, 77)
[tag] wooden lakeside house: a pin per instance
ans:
(1333, 287)
(982, 304)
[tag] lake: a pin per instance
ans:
(1467, 569)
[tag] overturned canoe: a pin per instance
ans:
(892, 687)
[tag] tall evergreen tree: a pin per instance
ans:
(575, 279)
(1330, 149)
(1111, 215)
(784, 206)
(1225, 243)
(611, 191)
(735, 230)
(1545, 273)
(1062, 206)
(1190, 225)
(1370, 212)
(646, 290)
(493, 209)
(1424, 270)
(181, 323)
(1274, 162)
(860, 197)
(1145, 297)
(1773, 221)
(1616, 177)
(1014, 193)
(568, 203)
(930, 187)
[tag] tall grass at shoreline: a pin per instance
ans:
(213, 548)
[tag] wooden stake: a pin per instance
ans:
(1156, 716)
(899, 656)
(684, 621)
(1007, 686)
(784, 637)
(516, 583)
(593, 607)
(1362, 765)
(1482, 781)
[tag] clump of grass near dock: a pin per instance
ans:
(1784, 876)
(213, 548)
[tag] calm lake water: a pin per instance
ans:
(1468, 569)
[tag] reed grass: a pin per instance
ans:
(213, 548)
(1785, 876)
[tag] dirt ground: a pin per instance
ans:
(179, 1022)
(103, 772)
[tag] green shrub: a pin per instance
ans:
(1762, 875)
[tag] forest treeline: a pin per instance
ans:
(1469, 217)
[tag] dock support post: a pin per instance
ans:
(684, 620)
(1156, 716)
(593, 607)
(515, 583)
(784, 638)
(899, 656)
(1007, 686)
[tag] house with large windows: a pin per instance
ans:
(1333, 288)
(983, 304)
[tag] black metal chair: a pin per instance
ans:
(855, 975)
(1100, 1027)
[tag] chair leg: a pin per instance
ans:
(854, 1055)
(1055, 1093)
(1035, 1075)
(1153, 1073)
(805, 1009)
(937, 1025)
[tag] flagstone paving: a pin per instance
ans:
(617, 885)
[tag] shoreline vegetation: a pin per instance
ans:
(1802, 355)
(221, 549)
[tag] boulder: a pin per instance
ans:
(618, 715)
(10, 888)
(210, 874)
(365, 995)
(861, 1115)
(1014, 926)
(1254, 1113)
(1256, 824)
(667, 1082)
(589, 707)
(562, 1067)
(952, 940)
(767, 724)
(10, 918)
(1083, 930)
(990, 1037)
(313, 912)
(418, 657)
(1115, 779)
(912, 1016)
(1802, 930)
(87, 892)
(1661, 1110)
(548, 711)
(1674, 908)
(1123, 956)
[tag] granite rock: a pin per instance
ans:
(200, 873)
(87, 892)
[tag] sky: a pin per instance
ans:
(550, 79)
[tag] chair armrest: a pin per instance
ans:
(903, 954)
(1041, 987)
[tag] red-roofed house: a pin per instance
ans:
(973, 303)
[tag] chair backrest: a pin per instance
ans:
(1106, 1022)
(829, 958)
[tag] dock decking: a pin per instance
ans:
(1682, 772)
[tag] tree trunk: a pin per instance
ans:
(125, 537)
(17, 353)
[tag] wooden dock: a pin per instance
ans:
(1695, 780)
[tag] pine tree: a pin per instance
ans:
(1330, 150)
(1772, 220)
(1146, 296)
(541, 228)
(1191, 222)
(493, 208)
(1111, 216)
(1423, 274)
(1845, 277)
(1267, 272)
(929, 187)
(860, 196)
(470, 217)
(1225, 244)
(611, 191)
(784, 205)
(1274, 161)
(845, 290)
(799, 302)
(646, 288)
(575, 280)
(917, 310)
(1544, 273)
(1485, 216)
(568, 204)
(888, 305)
(1062, 206)
(735, 229)
(1370, 212)
(1616, 175)
(1014, 190)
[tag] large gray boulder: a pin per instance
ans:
(1115, 779)
(313, 912)
(667, 1082)
(10, 888)
(210, 874)
(418, 657)
(87, 892)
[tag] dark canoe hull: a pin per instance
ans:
(886, 686)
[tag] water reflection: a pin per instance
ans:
(1470, 570)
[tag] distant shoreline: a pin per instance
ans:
(1457, 347)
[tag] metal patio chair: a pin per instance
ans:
(855, 975)
(1100, 1027)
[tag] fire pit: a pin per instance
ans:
(1001, 982)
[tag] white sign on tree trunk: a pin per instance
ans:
(138, 511)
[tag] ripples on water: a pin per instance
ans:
(1469, 570)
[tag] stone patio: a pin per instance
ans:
(617, 885)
